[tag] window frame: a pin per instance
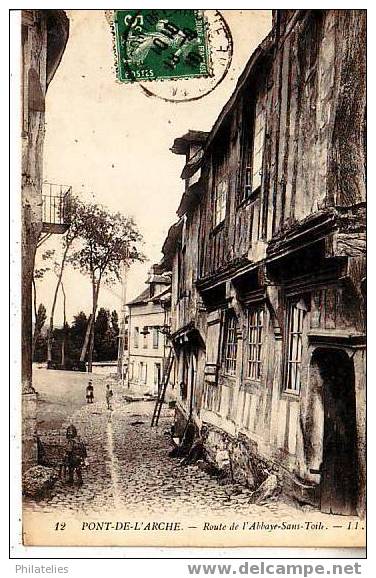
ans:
(255, 348)
(219, 215)
(309, 47)
(143, 369)
(136, 337)
(257, 117)
(181, 271)
(184, 377)
(230, 347)
(294, 346)
(136, 372)
(155, 338)
(157, 373)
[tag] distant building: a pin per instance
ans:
(148, 322)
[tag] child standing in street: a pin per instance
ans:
(75, 455)
(109, 395)
(90, 393)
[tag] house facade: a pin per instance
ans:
(148, 326)
(44, 34)
(268, 266)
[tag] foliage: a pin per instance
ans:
(46, 256)
(39, 274)
(105, 340)
(98, 243)
(78, 329)
(76, 209)
(115, 322)
(106, 333)
(108, 240)
(41, 317)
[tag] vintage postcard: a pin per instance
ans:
(193, 277)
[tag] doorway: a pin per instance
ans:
(339, 470)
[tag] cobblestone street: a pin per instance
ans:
(128, 464)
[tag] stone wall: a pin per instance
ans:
(29, 430)
(239, 458)
(180, 421)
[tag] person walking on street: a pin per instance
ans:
(109, 395)
(90, 393)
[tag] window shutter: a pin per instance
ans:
(258, 146)
(213, 347)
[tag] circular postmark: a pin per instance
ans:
(176, 55)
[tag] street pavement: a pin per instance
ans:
(128, 464)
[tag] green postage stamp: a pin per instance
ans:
(161, 44)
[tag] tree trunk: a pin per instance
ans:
(30, 234)
(64, 328)
(92, 333)
(86, 340)
(51, 327)
(63, 352)
(36, 332)
(91, 348)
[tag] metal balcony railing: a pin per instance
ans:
(56, 200)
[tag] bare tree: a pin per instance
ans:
(71, 235)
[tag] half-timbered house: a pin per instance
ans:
(268, 261)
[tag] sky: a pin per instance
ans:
(111, 141)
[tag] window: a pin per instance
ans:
(157, 374)
(230, 344)
(131, 373)
(155, 338)
(295, 317)
(145, 339)
(136, 334)
(184, 377)
(143, 372)
(181, 273)
(254, 152)
(255, 339)
(145, 376)
(309, 46)
(220, 199)
(258, 146)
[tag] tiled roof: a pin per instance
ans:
(165, 294)
(144, 297)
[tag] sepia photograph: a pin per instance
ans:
(193, 279)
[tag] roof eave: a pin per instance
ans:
(262, 50)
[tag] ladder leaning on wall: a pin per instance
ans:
(162, 390)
